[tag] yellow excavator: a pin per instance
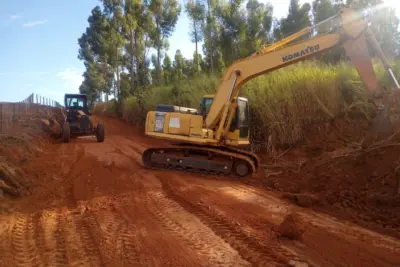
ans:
(211, 140)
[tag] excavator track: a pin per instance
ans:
(220, 160)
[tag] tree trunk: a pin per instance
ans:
(210, 39)
(118, 84)
(139, 80)
(105, 70)
(132, 63)
(197, 55)
(158, 67)
(159, 44)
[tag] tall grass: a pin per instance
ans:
(283, 102)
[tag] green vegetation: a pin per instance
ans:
(115, 50)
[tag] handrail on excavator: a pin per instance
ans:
(292, 37)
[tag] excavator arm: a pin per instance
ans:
(352, 34)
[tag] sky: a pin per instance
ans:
(40, 45)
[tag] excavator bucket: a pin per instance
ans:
(382, 126)
(392, 102)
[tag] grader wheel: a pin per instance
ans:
(100, 132)
(66, 132)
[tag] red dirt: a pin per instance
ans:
(293, 227)
(361, 189)
(93, 204)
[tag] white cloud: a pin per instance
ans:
(13, 17)
(34, 23)
(72, 78)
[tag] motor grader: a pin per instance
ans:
(77, 121)
(212, 140)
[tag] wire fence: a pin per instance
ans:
(10, 113)
(41, 100)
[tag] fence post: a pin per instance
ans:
(13, 117)
(1, 118)
(37, 104)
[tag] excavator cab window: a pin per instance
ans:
(205, 106)
(241, 118)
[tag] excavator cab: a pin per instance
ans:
(238, 133)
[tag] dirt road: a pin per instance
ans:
(95, 205)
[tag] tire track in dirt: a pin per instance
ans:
(118, 229)
(139, 148)
(48, 240)
(125, 147)
(269, 205)
(248, 247)
(82, 229)
(68, 162)
(129, 244)
(330, 224)
(39, 232)
(111, 229)
(24, 249)
(5, 243)
(192, 233)
(344, 239)
(52, 239)
(125, 239)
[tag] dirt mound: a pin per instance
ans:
(332, 171)
(20, 144)
(293, 227)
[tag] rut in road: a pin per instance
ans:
(50, 238)
(188, 228)
(23, 243)
(248, 247)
